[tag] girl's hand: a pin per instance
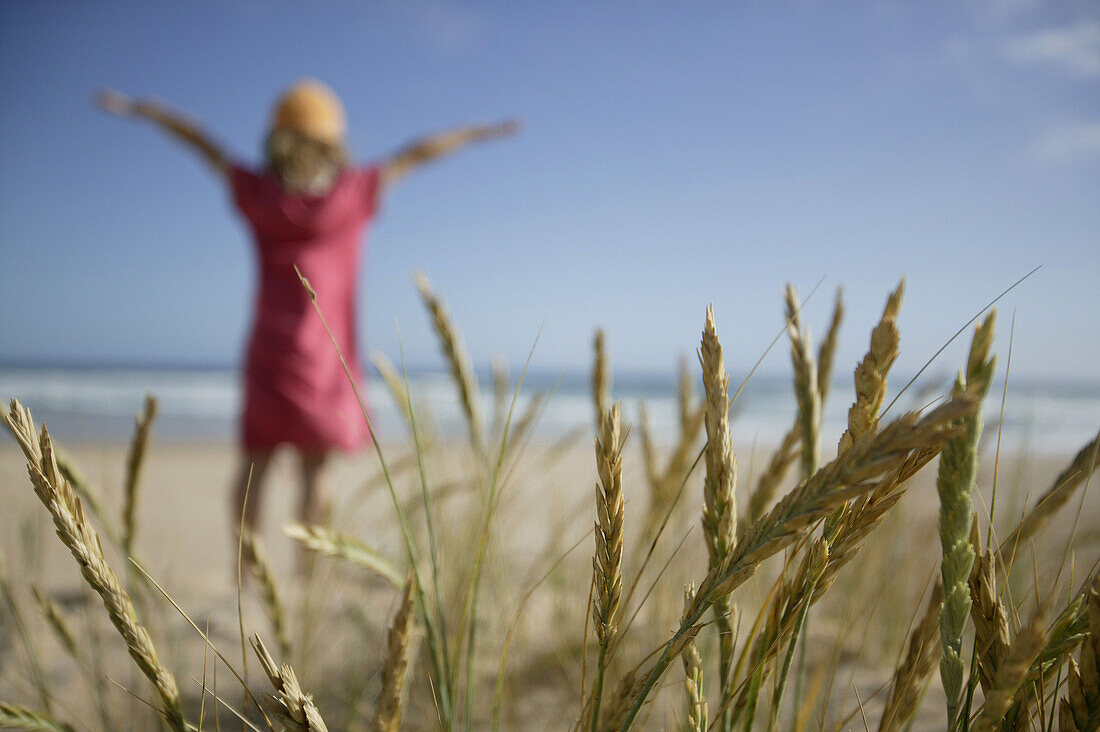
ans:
(115, 102)
(165, 118)
(505, 128)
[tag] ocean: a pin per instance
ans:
(98, 404)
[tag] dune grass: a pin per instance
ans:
(761, 610)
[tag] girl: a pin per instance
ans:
(307, 208)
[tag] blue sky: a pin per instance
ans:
(674, 154)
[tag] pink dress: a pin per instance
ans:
(295, 390)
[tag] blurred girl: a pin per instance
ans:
(308, 207)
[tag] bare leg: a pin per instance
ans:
(311, 508)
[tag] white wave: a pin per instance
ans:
(1053, 419)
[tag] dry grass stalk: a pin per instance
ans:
(55, 618)
(768, 482)
(822, 562)
(82, 541)
(1012, 674)
(20, 423)
(789, 448)
(814, 562)
(679, 461)
(870, 376)
(649, 458)
(691, 420)
(607, 562)
(659, 489)
(394, 382)
(693, 683)
(134, 460)
(955, 483)
(350, 549)
(502, 392)
(260, 567)
(785, 617)
(87, 493)
(685, 396)
(846, 477)
(1080, 709)
(618, 708)
(17, 717)
(455, 352)
(601, 379)
(95, 680)
(826, 352)
(811, 394)
(805, 386)
(664, 485)
(1079, 469)
(1066, 633)
(821, 565)
(531, 413)
(991, 631)
(914, 671)
(14, 619)
(292, 707)
(866, 513)
(719, 504)
(387, 715)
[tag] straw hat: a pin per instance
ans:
(313, 109)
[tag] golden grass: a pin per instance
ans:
(256, 560)
(693, 683)
(790, 447)
(804, 588)
(607, 564)
(719, 505)
(664, 483)
(915, 669)
(992, 634)
(1084, 463)
(57, 622)
(1080, 709)
(1011, 673)
(826, 352)
(19, 717)
(870, 375)
(458, 361)
(134, 460)
(601, 379)
(387, 713)
(81, 539)
(805, 386)
(291, 706)
(349, 548)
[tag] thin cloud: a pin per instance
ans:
(450, 28)
(1069, 143)
(1073, 49)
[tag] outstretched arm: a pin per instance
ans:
(176, 126)
(431, 147)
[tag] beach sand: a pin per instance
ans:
(184, 540)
